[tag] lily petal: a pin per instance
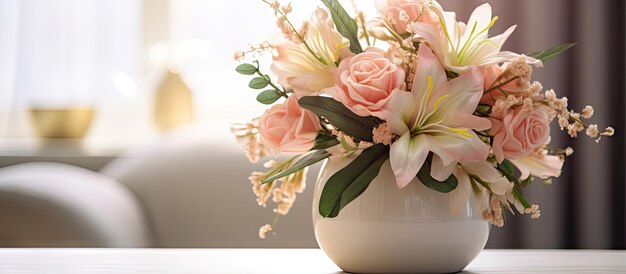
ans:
(500, 39)
(428, 33)
(429, 67)
(460, 46)
(542, 166)
(506, 56)
(469, 121)
(407, 155)
(460, 196)
(481, 17)
(439, 171)
(466, 149)
(464, 93)
(398, 111)
(498, 184)
(515, 202)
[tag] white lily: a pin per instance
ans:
(493, 182)
(542, 166)
(436, 116)
(461, 46)
(306, 68)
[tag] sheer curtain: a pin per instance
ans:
(9, 14)
(585, 208)
(60, 53)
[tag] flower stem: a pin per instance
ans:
(361, 18)
(275, 222)
(282, 92)
(492, 88)
(577, 120)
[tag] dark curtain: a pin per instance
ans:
(585, 207)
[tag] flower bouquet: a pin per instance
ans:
(433, 98)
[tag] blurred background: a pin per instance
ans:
(115, 114)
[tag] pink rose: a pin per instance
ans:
(288, 128)
(390, 10)
(492, 73)
(364, 82)
(519, 133)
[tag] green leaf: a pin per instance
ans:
(246, 69)
(424, 176)
(345, 24)
(324, 141)
(341, 117)
(507, 168)
(258, 83)
(305, 161)
(360, 185)
(268, 97)
(517, 192)
(348, 183)
(550, 53)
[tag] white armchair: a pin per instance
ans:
(189, 190)
(50, 204)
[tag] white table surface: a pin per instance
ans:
(28, 260)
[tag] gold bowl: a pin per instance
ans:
(61, 122)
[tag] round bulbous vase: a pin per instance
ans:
(392, 230)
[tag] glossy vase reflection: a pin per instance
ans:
(392, 230)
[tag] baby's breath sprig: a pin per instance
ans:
(247, 134)
(255, 49)
(288, 29)
(283, 191)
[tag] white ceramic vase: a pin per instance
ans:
(392, 230)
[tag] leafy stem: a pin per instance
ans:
(548, 54)
(492, 88)
(295, 164)
(282, 166)
(282, 92)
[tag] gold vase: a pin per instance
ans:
(173, 104)
(71, 122)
